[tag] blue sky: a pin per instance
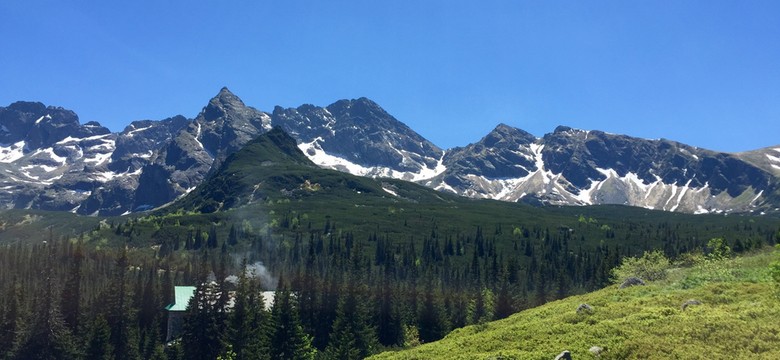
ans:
(705, 73)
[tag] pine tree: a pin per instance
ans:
(288, 340)
(71, 294)
(248, 329)
(353, 336)
(119, 313)
(389, 326)
(233, 235)
(212, 242)
(11, 319)
(99, 341)
(504, 303)
(201, 332)
(48, 337)
(432, 322)
(149, 311)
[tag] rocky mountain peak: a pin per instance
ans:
(562, 129)
(27, 107)
(361, 109)
(65, 165)
(506, 133)
(224, 102)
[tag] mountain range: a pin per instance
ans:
(50, 161)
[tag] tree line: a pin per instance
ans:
(338, 295)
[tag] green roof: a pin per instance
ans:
(182, 295)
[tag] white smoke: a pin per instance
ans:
(260, 272)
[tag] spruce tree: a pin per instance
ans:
(389, 326)
(119, 312)
(11, 319)
(288, 340)
(71, 294)
(431, 321)
(353, 336)
(248, 329)
(99, 341)
(201, 332)
(47, 337)
(504, 303)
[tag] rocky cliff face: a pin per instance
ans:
(48, 160)
(221, 128)
(360, 137)
(577, 167)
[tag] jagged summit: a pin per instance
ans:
(27, 106)
(223, 103)
(48, 160)
(504, 132)
(359, 137)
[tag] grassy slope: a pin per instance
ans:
(739, 319)
(34, 225)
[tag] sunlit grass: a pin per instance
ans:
(738, 319)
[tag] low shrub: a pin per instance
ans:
(652, 266)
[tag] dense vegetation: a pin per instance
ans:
(362, 281)
(709, 309)
(359, 265)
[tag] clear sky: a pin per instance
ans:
(706, 73)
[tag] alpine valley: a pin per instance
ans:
(49, 161)
(356, 229)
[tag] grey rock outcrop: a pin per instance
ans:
(632, 281)
(688, 303)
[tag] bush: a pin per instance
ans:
(718, 249)
(651, 266)
(690, 259)
(774, 270)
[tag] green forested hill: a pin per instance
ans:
(419, 263)
(737, 319)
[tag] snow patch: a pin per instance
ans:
(701, 210)
(537, 151)
(41, 118)
(106, 145)
(444, 186)
(67, 140)
(99, 158)
(143, 156)
(317, 155)
(585, 196)
(757, 196)
(12, 152)
(132, 133)
(428, 173)
(197, 137)
(48, 168)
(390, 191)
(51, 154)
(45, 168)
(674, 192)
(30, 176)
(682, 193)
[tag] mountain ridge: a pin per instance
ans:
(151, 163)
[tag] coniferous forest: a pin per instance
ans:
(342, 291)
